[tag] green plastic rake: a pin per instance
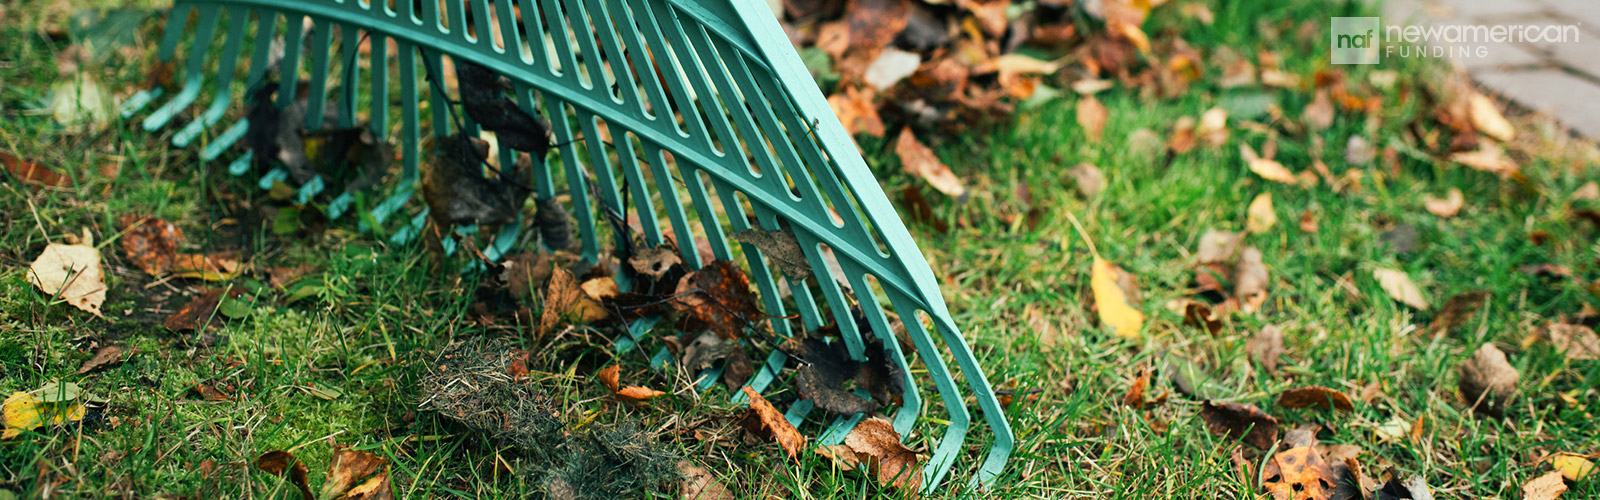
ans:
(702, 99)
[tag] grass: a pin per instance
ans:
(379, 318)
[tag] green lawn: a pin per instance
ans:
(347, 360)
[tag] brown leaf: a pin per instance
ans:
(1299, 474)
(609, 376)
(1092, 117)
(875, 23)
(150, 243)
(1575, 341)
(357, 475)
(1487, 380)
(1088, 178)
(208, 392)
(1308, 221)
(1456, 311)
(200, 311)
(1217, 246)
(282, 464)
(1183, 136)
(216, 266)
(30, 172)
(1266, 346)
(1318, 115)
(891, 462)
(565, 300)
(781, 248)
(920, 161)
(108, 355)
(834, 38)
(700, 484)
(1550, 486)
(1250, 280)
(1321, 397)
(857, 111)
(1444, 207)
(767, 422)
(1135, 396)
(719, 297)
(1239, 420)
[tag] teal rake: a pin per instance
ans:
(711, 117)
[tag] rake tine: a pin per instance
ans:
(219, 104)
(191, 85)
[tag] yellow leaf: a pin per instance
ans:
(71, 272)
(1399, 287)
(1261, 215)
(24, 411)
(1572, 467)
(1488, 120)
(1267, 169)
(1112, 300)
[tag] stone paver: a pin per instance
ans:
(1561, 79)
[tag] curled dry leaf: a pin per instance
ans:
(781, 248)
(920, 161)
(891, 463)
(609, 376)
(1488, 120)
(283, 464)
(1321, 397)
(1250, 281)
(656, 262)
(857, 111)
(1308, 221)
(1550, 486)
(1444, 207)
(700, 484)
(565, 300)
(1266, 346)
(1260, 216)
(1299, 474)
(1135, 396)
(1088, 178)
(200, 311)
(104, 356)
(1399, 287)
(1183, 136)
(1266, 168)
(1239, 420)
(150, 243)
(357, 475)
(30, 172)
(1456, 311)
(1112, 301)
(1092, 117)
(719, 297)
(767, 422)
(72, 273)
(1488, 158)
(1213, 128)
(1318, 115)
(1487, 380)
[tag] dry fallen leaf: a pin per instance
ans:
(1318, 115)
(1308, 221)
(565, 300)
(1488, 158)
(107, 355)
(1299, 474)
(1456, 311)
(1487, 380)
(1399, 287)
(1183, 135)
(1250, 281)
(857, 111)
(1547, 487)
(1266, 346)
(1088, 179)
(1575, 341)
(1135, 396)
(1239, 420)
(71, 272)
(201, 311)
(1487, 119)
(609, 377)
(1213, 128)
(283, 464)
(719, 297)
(1111, 300)
(1217, 246)
(31, 172)
(1260, 216)
(1444, 207)
(1267, 169)
(767, 422)
(357, 475)
(920, 161)
(1092, 117)
(1573, 467)
(891, 462)
(701, 484)
(1321, 397)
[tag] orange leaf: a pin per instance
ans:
(920, 161)
(767, 422)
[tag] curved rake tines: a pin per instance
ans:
(675, 95)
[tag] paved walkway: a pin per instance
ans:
(1560, 78)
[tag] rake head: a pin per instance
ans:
(693, 119)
